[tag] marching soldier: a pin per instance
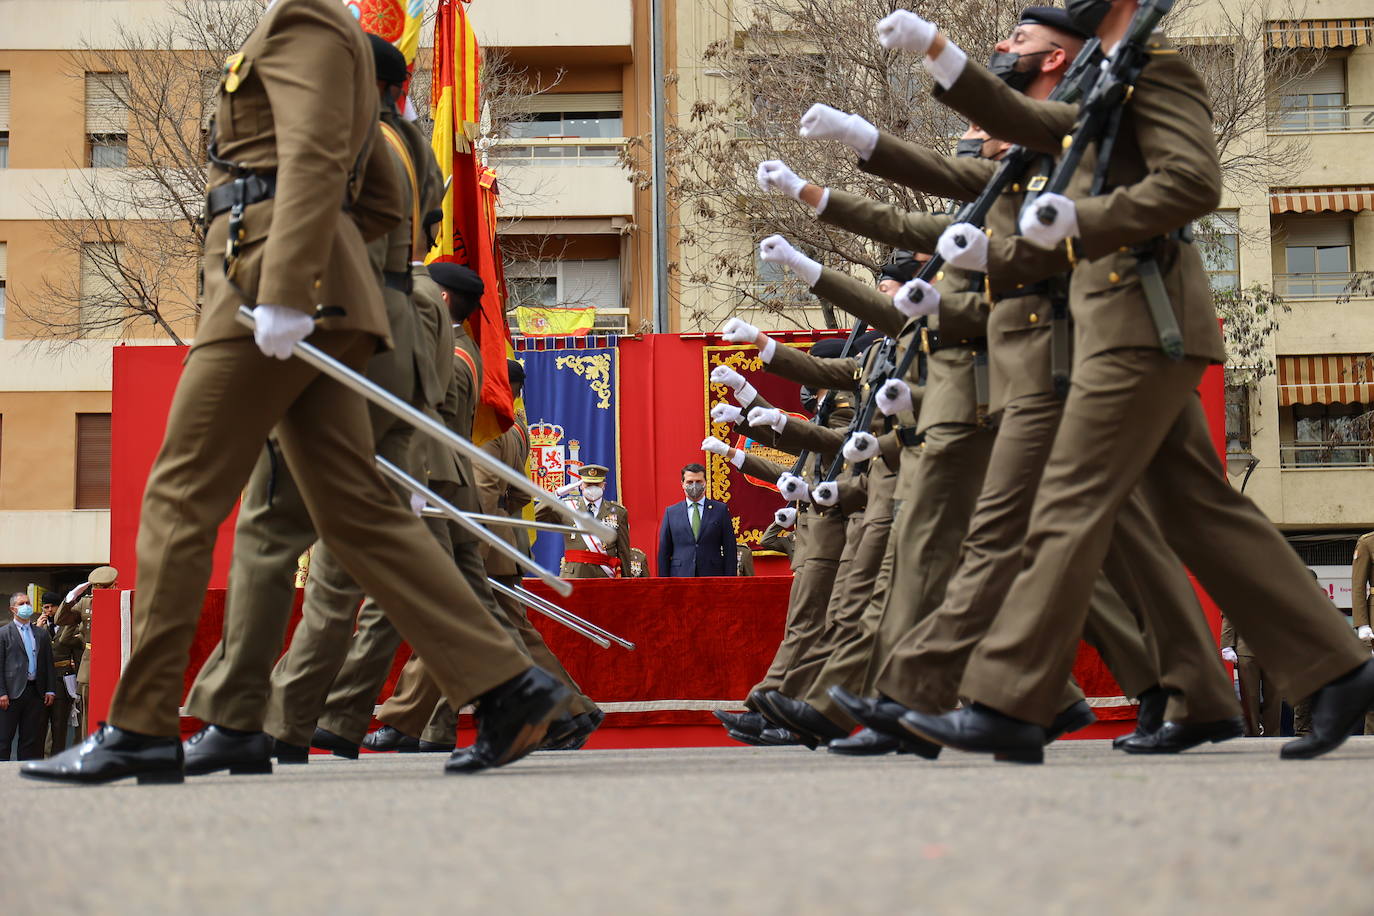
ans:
(586, 557)
(296, 188)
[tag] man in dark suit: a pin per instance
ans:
(697, 537)
(27, 680)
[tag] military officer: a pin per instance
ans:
(585, 557)
(73, 619)
(296, 173)
(639, 564)
(1361, 575)
(744, 560)
(66, 655)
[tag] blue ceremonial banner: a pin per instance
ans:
(571, 402)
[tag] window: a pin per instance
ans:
(1218, 240)
(1317, 101)
(107, 120)
(1329, 435)
(102, 306)
(92, 461)
(4, 119)
(1237, 420)
(572, 283)
(1317, 257)
(569, 114)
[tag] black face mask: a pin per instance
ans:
(972, 148)
(1088, 14)
(1002, 64)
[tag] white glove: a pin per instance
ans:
(76, 592)
(1064, 224)
(768, 416)
(965, 246)
(894, 397)
(714, 446)
(917, 298)
(786, 517)
(1365, 633)
(774, 175)
(821, 122)
(567, 488)
(417, 504)
(737, 330)
(905, 31)
(740, 390)
(826, 494)
(726, 413)
(777, 250)
(860, 447)
(793, 488)
(277, 329)
(1228, 654)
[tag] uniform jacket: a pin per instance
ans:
(1361, 576)
(336, 188)
(1164, 174)
(74, 631)
(497, 497)
(618, 547)
(1230, 638)
(14, 661)
(775, 537)
(744, 563)
(710, 553)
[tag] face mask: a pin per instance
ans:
(694, 491)
(593, 493)
(971, 148)
(24, 611)
(1088, 14)
(1002, 64)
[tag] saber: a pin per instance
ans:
(500, 546)
(569, 621)
(528, 596)
(378, 395)
(507, 522)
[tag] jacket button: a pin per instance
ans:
(939, 275)
(1114, 277)
(1032, 318)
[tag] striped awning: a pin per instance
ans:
(1318, 200)
(1339, 379)
(1321, 33)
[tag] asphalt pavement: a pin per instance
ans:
(1230, 828)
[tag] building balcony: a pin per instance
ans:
(1313, 286)
(55, 537)
(1323, 496)
(605, 25)
(1334, 119)
(1312, 455)
(568, 177)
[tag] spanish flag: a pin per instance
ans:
(468, 233)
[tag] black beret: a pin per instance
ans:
(391, 63)
(51, 598)
(866, 340)
(515, 372)
(1053, 17)
(829, 348)
(457, 278)
(900, 267)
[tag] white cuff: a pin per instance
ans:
(865, 144)
(767, 350)
(737, 459)
(808, 270)
(948, 66)
(746, 395)
(825, 199)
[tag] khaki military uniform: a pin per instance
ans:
(1133, 416)
(1260, 702)
(1361, 576)
(639, 564)
(302, 250)
(617, 547)
(744, 560)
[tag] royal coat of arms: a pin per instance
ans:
(551, 464)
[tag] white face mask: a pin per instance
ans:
(593, 494)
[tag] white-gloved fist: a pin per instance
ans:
(821, 122)
(726, 413)
(777, 250)
(826, 494)
(417, 504)
(1365, 633)
(567, 489)
(1228, 654)
(737, 330)
(905, 31)
(768, 416)
(793, 488)
(714, 446)
(917, 298)
(860, 447)
(894, 397)
(786, 517)
(724, 375)
(774, 175)
(276, 329)
(1064, 223)
(965, 246)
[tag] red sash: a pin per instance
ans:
(592, 557)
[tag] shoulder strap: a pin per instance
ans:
(398, 146)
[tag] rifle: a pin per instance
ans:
(1099, 122)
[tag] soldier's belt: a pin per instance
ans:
(591, 557)
(254, 187)
(64, 665)
(908, 436)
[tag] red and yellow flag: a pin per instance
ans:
(468, 233)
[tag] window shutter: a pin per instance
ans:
(4, 261)
(4, 100)
(106, 97)
(1327, 78)
(591, 283)
(1301, 233)
(92, 461)
(570, 101)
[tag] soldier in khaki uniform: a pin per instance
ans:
(639, 564)
(1260, 702)
(73, 619)
(1361, 575)
(66, 656)
(1132, 416)
(585, 557)
(298, 103)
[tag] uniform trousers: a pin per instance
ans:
(1133, 418)
(58, 716)
(1261, 704)
(229, 399)
(26, 717)
(1146, 583)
